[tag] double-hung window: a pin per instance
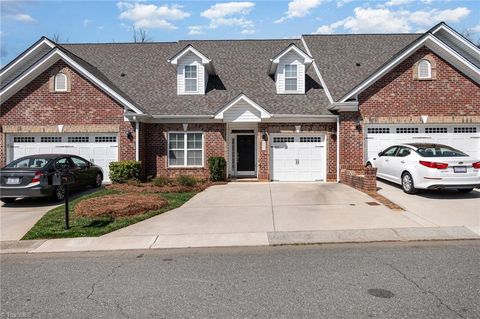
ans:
(190, 78)
(185, 149)
(290, 77)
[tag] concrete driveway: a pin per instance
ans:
(17, 218)
(437, 208)
(266, 207)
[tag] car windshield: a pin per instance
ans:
(439, 151)
(29, 162)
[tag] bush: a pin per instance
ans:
(123, 171)
(114, 206)
(217, 166)
(185, 180)
(162, 181)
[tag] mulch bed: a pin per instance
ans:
(121, 205)
(385, 201)
(150, 188)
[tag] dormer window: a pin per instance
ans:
(191, 78)
(289, 68)
(424, 70)
(60, 82)
(291, 77)
(193, 70)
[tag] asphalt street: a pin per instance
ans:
(388, 280)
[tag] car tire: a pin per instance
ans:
(465, 190)
(407, 184)
(8, 200)
(98, 181)
(368, 164)
(59, 193)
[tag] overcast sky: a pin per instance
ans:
(24, 22)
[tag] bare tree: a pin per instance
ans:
(467, 33)
(140, 35)
(58, 38)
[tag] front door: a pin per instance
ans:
(246, 155)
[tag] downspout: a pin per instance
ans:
(338, 148)
(137, 139)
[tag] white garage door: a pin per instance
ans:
(99, 148)
(462, 137)
(297, 157)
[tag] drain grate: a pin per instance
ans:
(372, 203)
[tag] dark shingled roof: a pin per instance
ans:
(337, 57)
(149, 80)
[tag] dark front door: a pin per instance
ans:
(246, 153)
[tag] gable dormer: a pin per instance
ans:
(289, 68)
(193, 69)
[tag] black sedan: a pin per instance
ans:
(31, 176)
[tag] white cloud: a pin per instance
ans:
(228, 14)
(341, 3)
(475, 29)
(299, 9)
(149, 16)
(392, 3)
(23, 17)
(369, 20)
(195, 30)
(248, 31)
(221, 10)
(87, 22)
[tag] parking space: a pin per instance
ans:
(437, 208)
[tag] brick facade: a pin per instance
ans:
(83, 107)
(398, 97)
(155, 154)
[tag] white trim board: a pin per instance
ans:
(263, 113)
(432, 43)
(48, 61)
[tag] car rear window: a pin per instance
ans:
(439, 151)
(29, 162)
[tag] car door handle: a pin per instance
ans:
(403, 162)
(386, 160)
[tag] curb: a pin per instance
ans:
(87, 244)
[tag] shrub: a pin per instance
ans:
(123, 171)
(114, 206)
(185, 180)
(217, 166)
(161, 181)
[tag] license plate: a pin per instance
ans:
(13, 180)
(459, 169)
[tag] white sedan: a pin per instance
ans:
(427, 166)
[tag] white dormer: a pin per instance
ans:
(193, 69)
(289, 68)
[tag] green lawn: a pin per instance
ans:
(52, 224)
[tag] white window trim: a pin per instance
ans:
(429, 75)
(285, 78)
(55, 88)
(185, 149)
(185, 79)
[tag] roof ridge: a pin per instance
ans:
(357, 34)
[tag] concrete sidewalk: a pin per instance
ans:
(238, 239)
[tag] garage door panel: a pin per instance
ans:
(379, 137)
(102, 152)
(302, 158)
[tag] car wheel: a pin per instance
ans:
(98, 180)
(59, 193)
(407, 184)
(8, 200)
(465, 190)
(368, 164)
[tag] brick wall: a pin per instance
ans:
(156, 136)
(359, 177)
(36, 105)
(327, 128)
(398, 97)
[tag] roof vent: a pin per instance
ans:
(357, 64)
(122, 74)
